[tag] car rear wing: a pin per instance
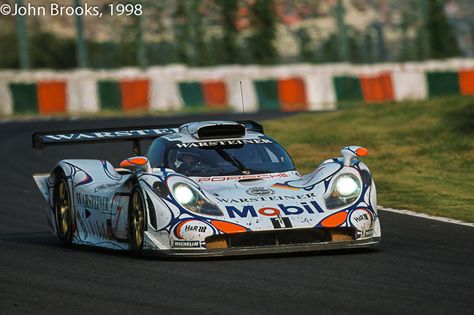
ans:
(134, 134)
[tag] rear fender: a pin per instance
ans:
(84, 172)
(79, 174)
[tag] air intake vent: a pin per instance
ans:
(221, 131)
(151, 212)
(279, 237)
(250, 182)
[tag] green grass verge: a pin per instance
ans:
(421, 154)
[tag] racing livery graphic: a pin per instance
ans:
(207, 188)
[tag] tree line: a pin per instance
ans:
(191, 46)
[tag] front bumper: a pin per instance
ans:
(273, 249)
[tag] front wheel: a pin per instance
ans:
(136, 221)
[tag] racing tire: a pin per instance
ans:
(63, 210)
(136, 220)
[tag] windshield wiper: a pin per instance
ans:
(231, 159)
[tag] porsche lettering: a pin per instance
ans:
(239, 177)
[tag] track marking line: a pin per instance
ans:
(425, 216)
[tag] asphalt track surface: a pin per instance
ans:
(422, 267)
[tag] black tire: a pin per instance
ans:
(63, 209)
(136, 221)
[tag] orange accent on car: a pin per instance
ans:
(227, 227)
(335, 219)
(125, 164)
(133, 161)
(138, 160)
(362, 151)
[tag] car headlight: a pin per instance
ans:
(345, 190)
(184, 194)
(191, 199)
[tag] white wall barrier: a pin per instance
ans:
(408, 80)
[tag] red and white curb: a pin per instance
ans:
(425, 216)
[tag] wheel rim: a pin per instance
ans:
(63, 208)
(137, 219)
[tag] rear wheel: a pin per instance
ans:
(63, 210)
(137, 221)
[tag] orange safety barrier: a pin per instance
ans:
(377, 88)
(466, 81)
(135, 94)
(292, 94)
(52, 97)
(215, 93)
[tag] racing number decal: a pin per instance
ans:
(279, 222)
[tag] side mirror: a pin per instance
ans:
(136, 163)
(353, 151)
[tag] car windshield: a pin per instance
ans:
(229, 160)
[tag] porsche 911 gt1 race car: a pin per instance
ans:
(207, 188)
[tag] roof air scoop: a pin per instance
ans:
(214, 129)
(221, 131)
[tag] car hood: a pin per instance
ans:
(238, 189)
(266, 187)
(256, 201)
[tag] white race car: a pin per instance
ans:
(207, 188)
